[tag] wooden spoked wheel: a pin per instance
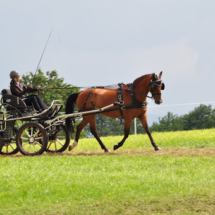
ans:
(59, 139)
(31, 139)
(9, 147)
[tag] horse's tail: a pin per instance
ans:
(70, 105)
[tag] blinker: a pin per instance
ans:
(162, 86)
(153, 87)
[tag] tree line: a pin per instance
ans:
(202, 117)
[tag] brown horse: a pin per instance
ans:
(133, 106)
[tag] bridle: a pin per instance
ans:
(153, 85)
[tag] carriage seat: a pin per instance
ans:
(12, 101)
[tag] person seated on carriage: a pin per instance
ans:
(19, 89)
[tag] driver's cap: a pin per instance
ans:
(14, 74)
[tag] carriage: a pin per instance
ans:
(24, 130)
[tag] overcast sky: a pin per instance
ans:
(103, 42)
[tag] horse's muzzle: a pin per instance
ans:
(158, 101)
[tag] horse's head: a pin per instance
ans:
(155, 87)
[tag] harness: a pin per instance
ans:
(120, 98)
(89, 96)
(134, 104)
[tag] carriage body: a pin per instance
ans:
(23, 129)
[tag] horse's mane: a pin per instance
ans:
(136, 81)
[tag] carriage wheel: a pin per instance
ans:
(59, 139)
(31, 139)
(10, 147)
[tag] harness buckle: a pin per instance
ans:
(123, 108)
(144, 104)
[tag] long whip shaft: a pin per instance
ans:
(42, 55)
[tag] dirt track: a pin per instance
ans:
(144, 152)
(168, 152)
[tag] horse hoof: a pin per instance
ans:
(157, 148)
(106, 151)
(70, 148)
(115, 147)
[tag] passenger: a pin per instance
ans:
(19, 89)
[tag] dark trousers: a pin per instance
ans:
(36, 101)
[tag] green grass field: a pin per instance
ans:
(179, 179)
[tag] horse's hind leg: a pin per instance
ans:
(143, 119)
(93, 130)
(80, 127)
(127, 125)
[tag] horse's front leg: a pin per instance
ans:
(143, 119)
(92, 121)
(127, 125)
(79, 128)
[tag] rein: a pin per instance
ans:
(64, 88)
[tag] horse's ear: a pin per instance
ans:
(153, 76)
(160, 75)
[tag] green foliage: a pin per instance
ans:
(49, 80)
(200, 118)
(107, 126)
(169, 122)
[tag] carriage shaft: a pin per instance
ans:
(82, 113)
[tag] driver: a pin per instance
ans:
(19, 89)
